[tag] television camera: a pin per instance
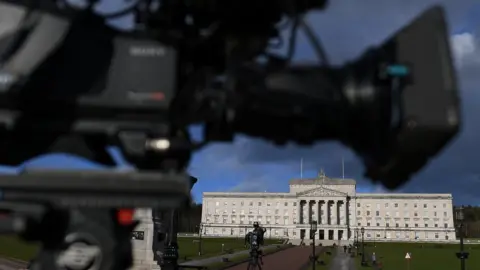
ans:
(71, 83)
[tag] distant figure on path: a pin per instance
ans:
(345, 249)
(374, 259)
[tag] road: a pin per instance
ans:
(7, 264)
(289, 259)
(342, 261)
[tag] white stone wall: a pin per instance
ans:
(232, 214)
(405, 216)
(142, 249)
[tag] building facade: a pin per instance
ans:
(337, 208)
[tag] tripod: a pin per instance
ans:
(253, 263)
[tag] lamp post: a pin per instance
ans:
(356, 237)
(462, 255)
(200, 231)
(363, 247)
(313, 230)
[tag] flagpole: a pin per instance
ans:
(343, 169)
(301, 168)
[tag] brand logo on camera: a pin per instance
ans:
(147, 51)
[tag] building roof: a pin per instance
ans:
(324, 181)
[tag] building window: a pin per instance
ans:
(405, 204)
(396, 225)
(286, 203)
(377, 213)
(386, 205)
(294, 204)
(225, 203)
(259, 203)
(368, 213)
(426, 225)
(358, 204)
(396, 205)
(269, 204)
(406, 225)
(416, 225)
(250, 204)
(445, 225)
(444, 214)
(415, 214)
(425, 205)
(436, 225)
(358, 213)
(378, 224)
(368, 224)
(434, 214)
(276, 212)
(359, 224)
(436, 235)
(387, 225)
(241, 203)
(415, 205)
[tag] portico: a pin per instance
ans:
(337, 208)
(326, 206)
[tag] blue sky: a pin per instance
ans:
(347, 28)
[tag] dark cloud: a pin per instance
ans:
(347, 28)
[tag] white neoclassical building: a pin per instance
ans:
(339, 210)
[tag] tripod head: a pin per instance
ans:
(71, 83)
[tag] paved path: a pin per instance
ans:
(210, 260)
(342, 261)
(289, 259)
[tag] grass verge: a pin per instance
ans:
(423, 256)
(242, 258)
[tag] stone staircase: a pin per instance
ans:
(298, 242)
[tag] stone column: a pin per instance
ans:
(299, 212)
(142, 252)
(345, 210)
(328, 212)
(302, 211)
(339, 212)
(310, 206)
(319, 212)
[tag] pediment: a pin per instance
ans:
(320, 192)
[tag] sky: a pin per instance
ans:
(347, 28)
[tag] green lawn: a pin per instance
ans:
(11, 246)
(212, 246)
(424, 256)
(324, 259)
(243, 258)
